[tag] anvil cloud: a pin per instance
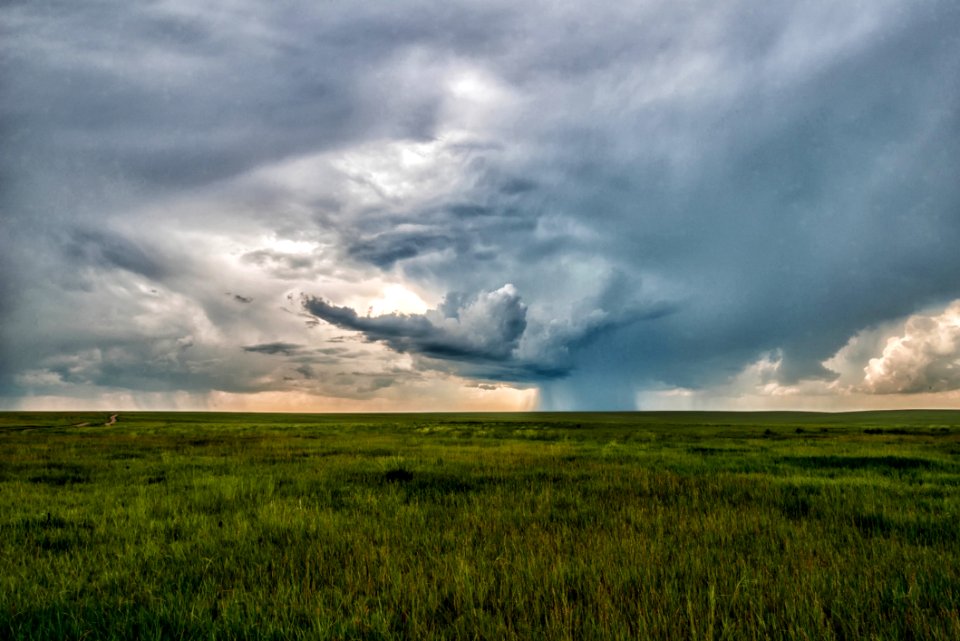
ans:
(482, 205)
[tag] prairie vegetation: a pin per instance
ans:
(494, 526)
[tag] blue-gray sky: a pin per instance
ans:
(480, 205)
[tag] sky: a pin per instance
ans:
(415, 206)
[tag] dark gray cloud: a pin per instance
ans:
(221, 89)
(385, 249)
(677, 190)
(287, 349)
(105, 250)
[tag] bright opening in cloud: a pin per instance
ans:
(287, 246)
(397, 299)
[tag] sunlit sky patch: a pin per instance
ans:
(407, 206)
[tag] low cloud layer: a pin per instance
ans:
(676, 192)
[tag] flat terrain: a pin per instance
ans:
(483, 526)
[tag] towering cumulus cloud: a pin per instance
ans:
(273, 205)
(484, 328)
(925, 358)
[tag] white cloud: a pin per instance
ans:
(905, 363)
(924, 358)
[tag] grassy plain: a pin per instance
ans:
(493, 526)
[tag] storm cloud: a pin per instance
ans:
(684, 197)
(486, 327)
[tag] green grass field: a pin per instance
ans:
(484, 526)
